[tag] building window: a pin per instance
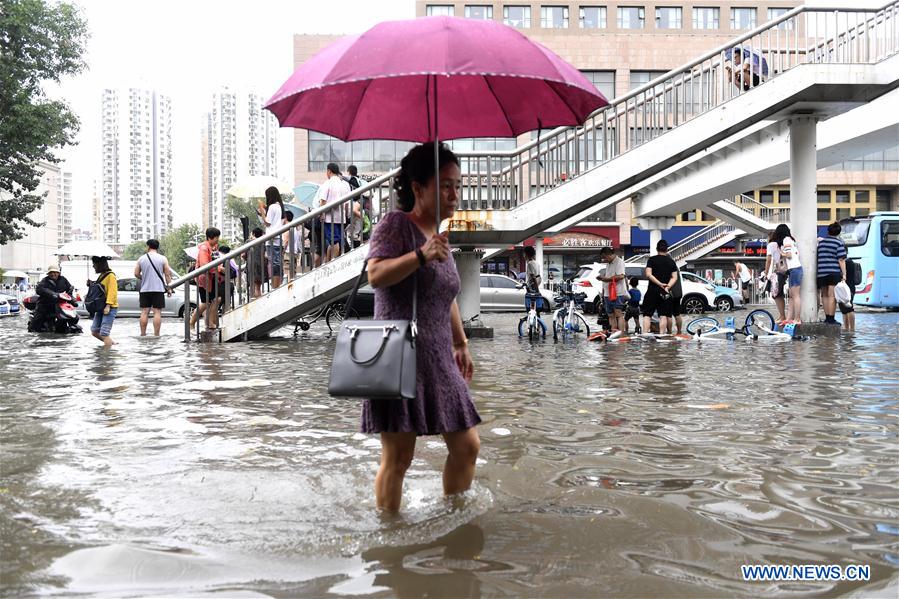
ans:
(368, 155)
(883, 200)
(742, 18)
(606, 215)
(440, 10)
(705, 17)
(604, 82)
(862, 196)
(842, 196)
(478, 11)
(669, 17)
(593, 17)
(631, 17)
(766, 196)
(774, 13)
(783, 196)
(517, 16)
(689, 217)
(554, 17)
(824, 215)
(824, 196)
(639, 78)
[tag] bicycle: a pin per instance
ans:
(568, 319)
(333, 314)
(759, 325)
(532, 324)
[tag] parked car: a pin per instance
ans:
(699, 296)
(129, 294)
(500, 293)
(9, 305)
(726, 299)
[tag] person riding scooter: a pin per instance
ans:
(48, 290)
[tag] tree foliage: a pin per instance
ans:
(172, 245)
(40, 42)
(135, 250)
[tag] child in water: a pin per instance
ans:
(633, 307)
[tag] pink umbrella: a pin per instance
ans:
(487, 79)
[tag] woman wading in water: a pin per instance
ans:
(407, 250)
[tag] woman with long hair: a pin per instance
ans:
(776, 277)
(408, 255)
(789, 252)
(101, 327)
(272, 216)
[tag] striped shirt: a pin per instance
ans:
(830, 251)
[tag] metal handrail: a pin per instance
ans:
(708, 234)
(360, 191)
(670, 100)
(771, 214)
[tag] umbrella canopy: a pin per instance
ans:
(758, 64)
(296, 210)
(305, 193)
(254, 186)
(483, 78)
(192, 252)
(15, 274)
(86, 248)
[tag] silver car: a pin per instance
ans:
(129, 299)
(500, 293)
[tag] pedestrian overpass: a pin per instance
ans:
(681, 139)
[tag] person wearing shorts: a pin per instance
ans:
(272, 216)
(101, 327)
(848, 309)
(329, 193)
(206, 282)
(662, 273)
(831, 267)
(153, 272)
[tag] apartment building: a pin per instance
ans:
(238, 138)
(34, 251)
(136, 177)
(618, 46)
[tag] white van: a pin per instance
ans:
(77, 271)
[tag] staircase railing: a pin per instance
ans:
(773, 215)
(701, 238)
(504, 180)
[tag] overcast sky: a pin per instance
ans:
(188, 49)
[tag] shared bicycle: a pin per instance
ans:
(531, 325)
(332, 313)
(759, 325)
(568, 319)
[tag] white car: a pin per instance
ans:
(500, 293)
(9, 305)
(698, 296)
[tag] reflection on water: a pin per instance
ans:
(640, 469)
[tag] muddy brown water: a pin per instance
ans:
(628, 470)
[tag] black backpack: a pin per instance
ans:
(353, 182)
(95, 300)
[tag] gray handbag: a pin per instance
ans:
(375, 359)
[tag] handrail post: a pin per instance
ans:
(187, 311)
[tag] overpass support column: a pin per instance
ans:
(538, 248)
(468, 263)
(804, 207)
(655, 225)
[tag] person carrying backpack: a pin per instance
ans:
(102, 301)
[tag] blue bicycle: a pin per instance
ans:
(568, 319)
(531, 325)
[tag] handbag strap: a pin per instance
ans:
(161, 280)
(352, 296)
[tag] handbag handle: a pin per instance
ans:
(353, 330)
(352, 296)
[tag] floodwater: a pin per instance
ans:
(627, 470)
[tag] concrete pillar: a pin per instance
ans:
(538, 247)
(655, 235)
(655, 225)
(468, 264)
(804, 207)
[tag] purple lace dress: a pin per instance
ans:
(443, 403)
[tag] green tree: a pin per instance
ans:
(172, 245)
(40, 42)
(135, 250)
(237, 207)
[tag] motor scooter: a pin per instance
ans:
(63, 320)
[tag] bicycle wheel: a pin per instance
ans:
(334, 315)
(579, 325)
(523, 326)
(759, 320)
(704, 323)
